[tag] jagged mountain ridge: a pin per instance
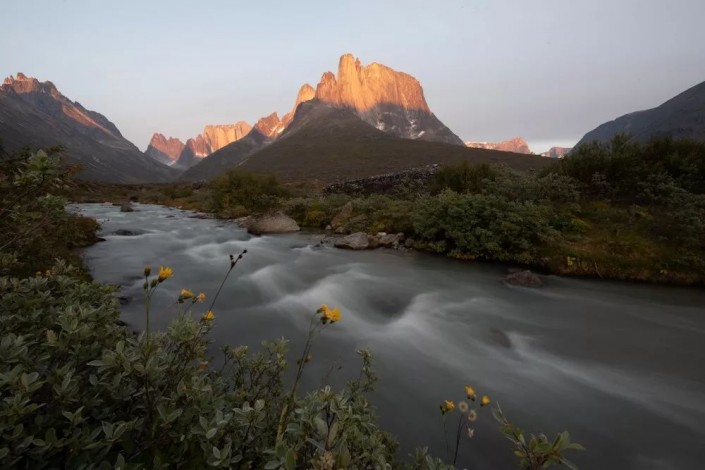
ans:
(516, 145)
(389, 100)
(680, 117)
(557, 152)
(35, 113)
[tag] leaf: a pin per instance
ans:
(321, 426)
(210, 433)
(271, 464)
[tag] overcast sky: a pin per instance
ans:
(545, 70)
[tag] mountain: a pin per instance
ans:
(516, 145)
(36, 114)
(328, 143)
(557, 152)
(218, 136)
(165, 150)
(264, 131)
(391, 101)
(175, 153)
(306, 93)
(680, 117)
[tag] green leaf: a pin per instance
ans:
(271, 465)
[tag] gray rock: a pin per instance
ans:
(270, 223)
(127, 233)
(126, 207)
(355, 241)
(524, 279)
(409, 243)
(391, 240)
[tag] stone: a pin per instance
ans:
(524, 279)
(343, 216)
(277, 222)
(126, 207)
(355, 241)
(127, 233)
(391, 240)
(409, 243)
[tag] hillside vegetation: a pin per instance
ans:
(621, 210)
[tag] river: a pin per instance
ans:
(621, 366)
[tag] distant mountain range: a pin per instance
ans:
(363, 120)
(517, 145)
(35, 113)
(680, 117)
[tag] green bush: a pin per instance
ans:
(79, 390)
(34, 227)
(237, 189)
(484, 226)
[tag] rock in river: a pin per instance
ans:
(355, 241)
(270, 223)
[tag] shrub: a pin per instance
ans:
(484, 226)
(34, 227)
(79, 390)
(254, 192)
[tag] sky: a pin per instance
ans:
(546, 70)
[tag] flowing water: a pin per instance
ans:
(621, 366)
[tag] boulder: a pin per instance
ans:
(270, 223)
(391, 240)
(127, 233)
(342, 216)
(409, 243)
(523, 279)
(355, 241)
(126, 207)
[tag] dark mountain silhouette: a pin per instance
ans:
(680, 117)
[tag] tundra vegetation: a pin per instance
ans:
(619, 210)
(81, 390)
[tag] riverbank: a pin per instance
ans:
(604, 242)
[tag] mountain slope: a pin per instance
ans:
(328, 143)
(389, 100)
(35, 113)
(680, 117)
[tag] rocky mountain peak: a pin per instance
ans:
(21, 84)
(516, 145)
(165, 149)
(269, 126)
(365, 87)
(219, 135)
(306, 93)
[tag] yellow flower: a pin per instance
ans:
(201, 297)
(470, 392)
(208, 316)
(165, 273)
(186, 294)
(329, 314)
(448, 406)
(485, 400)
